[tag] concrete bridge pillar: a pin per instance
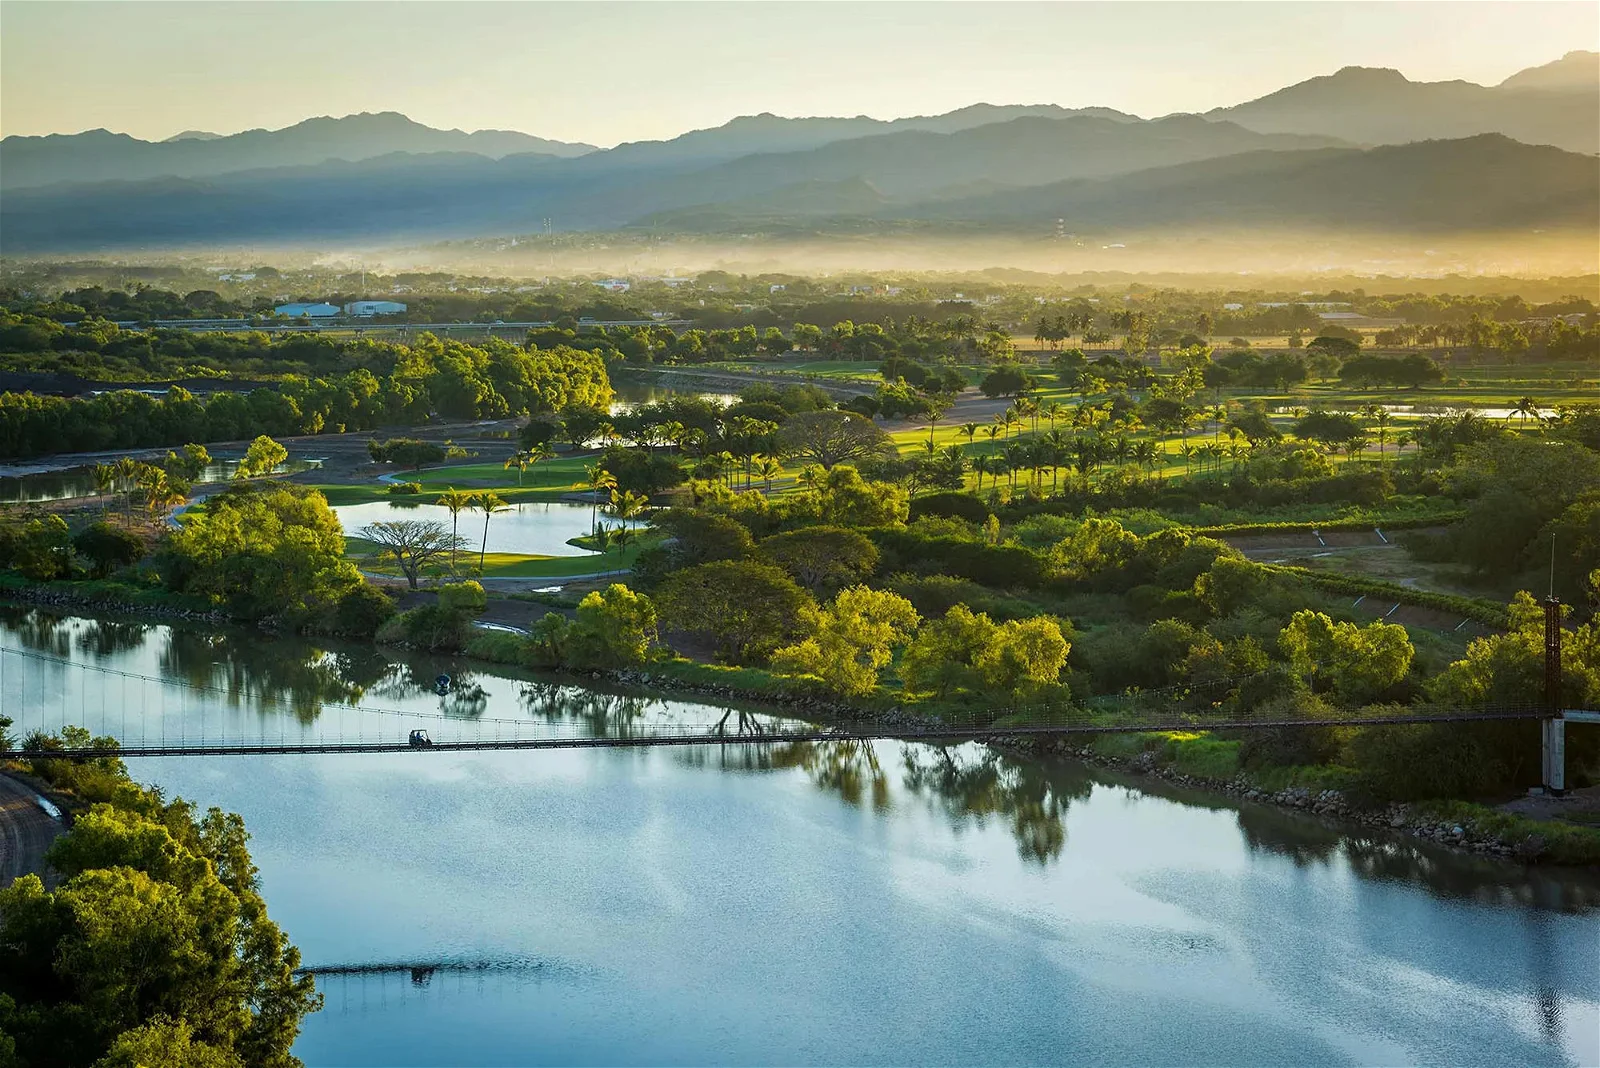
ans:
(1555, 755)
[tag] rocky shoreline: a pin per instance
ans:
(72, 602)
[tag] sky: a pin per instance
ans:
(604, 73)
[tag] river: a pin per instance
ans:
(867, 904)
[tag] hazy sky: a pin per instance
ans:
(610, 72)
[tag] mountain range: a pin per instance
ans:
(1360, 147)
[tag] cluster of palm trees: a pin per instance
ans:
(622, 504)
(154, 488)
(532, 457)
(457, 501)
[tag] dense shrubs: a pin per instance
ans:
(950, 506)
(1001, 566)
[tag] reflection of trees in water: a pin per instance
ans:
(270, 675)
(1306, 842)
(1381, 855)
(972, 782)
(103, 638)
(848, 767)
(40, 631)
(603, 715)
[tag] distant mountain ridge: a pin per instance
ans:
(463, 193)
(386, 178)
(99, 155)
(1556, 104)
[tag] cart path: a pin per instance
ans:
(26, 830)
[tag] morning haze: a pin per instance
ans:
(799, 534)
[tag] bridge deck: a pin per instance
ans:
(711, 736)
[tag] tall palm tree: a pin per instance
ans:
(1523, 407)
(768, 468)
(538, 454)
(457, 501)
(1380, 421)
(488, 503)
(1016, 457)
(600, 480)
(970, 430)
(105, 478)
(520, 460)
(128, 470)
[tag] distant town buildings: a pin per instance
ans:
(365, 308)
(307, 311)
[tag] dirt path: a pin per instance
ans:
(26, 830)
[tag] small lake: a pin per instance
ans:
(837, 903)
(534, 528)
(79, 481)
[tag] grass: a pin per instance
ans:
(1564, 843)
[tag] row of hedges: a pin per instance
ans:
(1325, 526)
(1474, 608)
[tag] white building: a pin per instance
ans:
(374, 307)
(307, 311)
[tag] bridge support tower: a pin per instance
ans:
(1553, 726)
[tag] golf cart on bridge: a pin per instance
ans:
(420, 740)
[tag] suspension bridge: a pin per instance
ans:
(228, 712)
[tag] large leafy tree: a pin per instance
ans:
(263, 551)
(852, 640)
(830, 438)
(1359, 663)
(823, 557)
(744, 608)
(969, 651)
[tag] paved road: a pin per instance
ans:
(26, 830)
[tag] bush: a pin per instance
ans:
(108, 547)
(404, 489)
(362, 611)
(1002, 566)
(950, 506)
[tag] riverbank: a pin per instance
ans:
(1195, 760)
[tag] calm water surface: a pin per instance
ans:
(811, 904)
(536, 527)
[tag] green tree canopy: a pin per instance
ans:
(260, 551)
(744, 608)
(852, 640)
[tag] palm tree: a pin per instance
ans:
(488, 503)
(970, 430)
(105, 478)
(622, 536)
(520, 461)
(627, 504)
(158, 492)
(768, 468)
(1016, 457)
(811, 477)
(128, 470)
(599, 479)
(457, 501)
(1381, 420)
(538, 454)
(1524, 407)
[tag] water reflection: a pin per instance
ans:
(603, 715)
(269, 675)
(971, 782)
(105, 638)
